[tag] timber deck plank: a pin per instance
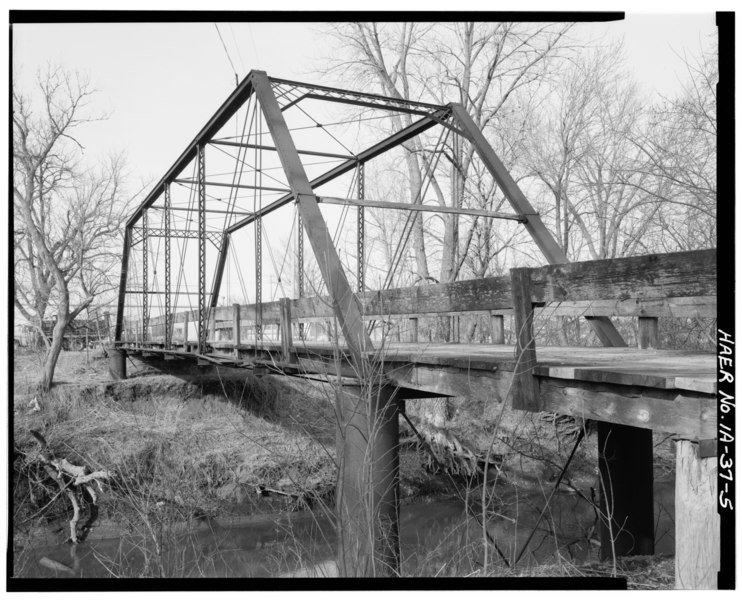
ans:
(662, 369)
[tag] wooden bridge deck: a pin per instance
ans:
(662, 369)
(663, 390)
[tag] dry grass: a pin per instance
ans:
(167, 440)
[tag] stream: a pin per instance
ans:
(438, 538)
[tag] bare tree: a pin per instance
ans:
(484, 66)
(67, 218)
(678, 148)
(603, 203)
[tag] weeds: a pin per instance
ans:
(184, 453)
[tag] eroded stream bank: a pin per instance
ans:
(192, 454)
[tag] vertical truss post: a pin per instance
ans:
(300, 263)
(202, 316)
(361, 233)
(168, 316)
(258, 279)
(122, 284)
(145, 278)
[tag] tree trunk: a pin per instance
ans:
(418, 239)
(50, 362)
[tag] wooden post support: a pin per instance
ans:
(626, 490)
(525, 384)
(185, 332)
(368, 486)
(497, 327)
(648, 333)
(212, 325)
(117, 364)
(236, 329)
(287, 342)
(697, 549)
(413, 330)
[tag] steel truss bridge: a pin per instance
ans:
(276, 143)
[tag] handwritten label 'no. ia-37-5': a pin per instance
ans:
(726, 418)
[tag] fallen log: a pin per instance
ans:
(72, 480)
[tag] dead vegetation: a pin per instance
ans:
(183, 453)
(169, 443)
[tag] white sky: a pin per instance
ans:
(162, 82)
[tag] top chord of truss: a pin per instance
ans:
(330, 94)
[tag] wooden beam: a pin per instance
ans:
(236, 329)
(287, 343)
(525, 384)
(649, 277)
(648, 336)
(565, 290)
(344, 302)
(697, 547)
(418, 207)
(692, 416)
(413, 330)
(487, 296)
(185, 332)
(485, 386)
(497, 327)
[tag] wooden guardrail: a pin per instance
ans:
(658, 278)
(681, 284)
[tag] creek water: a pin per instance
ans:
(437, 538)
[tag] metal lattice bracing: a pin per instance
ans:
(259, 278)
(145, 279)
(361, 232)
(215, 237)
(168, 299)
(202, 313)
(299, 256)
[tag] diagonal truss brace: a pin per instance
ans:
(604, 329)
(345, 304)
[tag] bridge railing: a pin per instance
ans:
(647, 287)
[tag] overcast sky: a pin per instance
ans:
(162, 82)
